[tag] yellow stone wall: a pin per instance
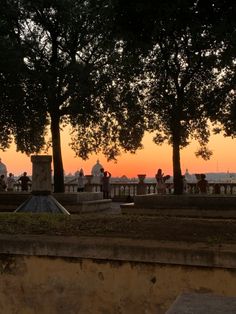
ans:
(43, 285)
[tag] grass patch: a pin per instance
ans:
(14, 223)
(138, 227)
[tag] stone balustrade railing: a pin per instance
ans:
(126, 191)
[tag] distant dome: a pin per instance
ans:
(3, 168)
(96, 169)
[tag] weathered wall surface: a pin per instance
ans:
(71, 286)
(46, 275)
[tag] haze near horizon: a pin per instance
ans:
(146, 160)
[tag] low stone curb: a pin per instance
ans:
(121, 249)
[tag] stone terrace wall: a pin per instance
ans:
(56, 275)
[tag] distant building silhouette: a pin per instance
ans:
(96, 169)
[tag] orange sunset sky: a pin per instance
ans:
(146, 161)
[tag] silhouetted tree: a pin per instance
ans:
(110, 69)
(221, 101)
(181, 61)
(69, 75)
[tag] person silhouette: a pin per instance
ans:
(2, 183)
(106, 184)
(10, 182)
(101, 178)
(161, 186)
(202, 184)
(80, 181)
(24, 180)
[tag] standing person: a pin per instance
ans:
(10, 182)
(202, 184)
(185, 186)
(101, 178)
(161, 186)
(106, 184)
(80, 181)
(2, 183)
(24, 180)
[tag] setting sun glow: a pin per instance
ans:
(145, 161)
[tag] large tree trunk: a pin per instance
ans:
(56, 154)
(178, 179)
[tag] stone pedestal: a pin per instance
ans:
(88, 185)
(41, 178)
(141, 187)
(41, 200)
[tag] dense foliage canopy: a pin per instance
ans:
(187, 61)
(67, 73)
(112, 69)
